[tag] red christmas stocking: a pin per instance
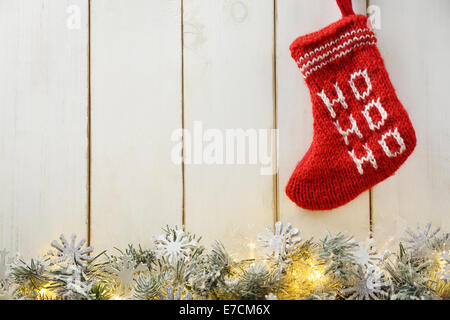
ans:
(362, 133)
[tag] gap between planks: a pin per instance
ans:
(276, 214)
(183, 176)
(89, 140)
(370, 190)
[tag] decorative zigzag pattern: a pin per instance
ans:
(339, 55)
(331, 43)
(339, 47)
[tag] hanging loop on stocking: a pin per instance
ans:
(346, 7)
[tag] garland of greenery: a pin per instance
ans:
(178, 267)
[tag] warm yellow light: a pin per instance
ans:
(303, 276)
(117, 298)
(44, 293)
(315, 275)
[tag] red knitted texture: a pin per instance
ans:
(362, 133)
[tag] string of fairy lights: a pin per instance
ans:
(281, 266)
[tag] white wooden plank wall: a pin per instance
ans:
(136, 104)
(228, 85)
(43, 122)
(414, 42)
(234, 72)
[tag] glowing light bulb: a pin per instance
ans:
(252, 247)
(315, 275)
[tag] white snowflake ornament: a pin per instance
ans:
(417, 242)
(366, 254)
(175, 245)
(70, 253)
(278, 242)
(369, 284)
(445, 263)
(76, 284)
(125, 271)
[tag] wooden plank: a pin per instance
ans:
(136, 105)
(228, 85)
(295, 122)
(413, 42)
(43, 122)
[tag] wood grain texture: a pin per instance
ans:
(295, 122)
(414, 43)
(43, 123)
(229, 85)
(229, 78)
(136, 105)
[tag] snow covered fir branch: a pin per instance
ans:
(178, 267)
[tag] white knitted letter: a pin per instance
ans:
(346, 133)
(397, 138)
(383, 114)
(359, 161)
(340, 99)
(358, 74)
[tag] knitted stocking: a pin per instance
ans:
(362, 133)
